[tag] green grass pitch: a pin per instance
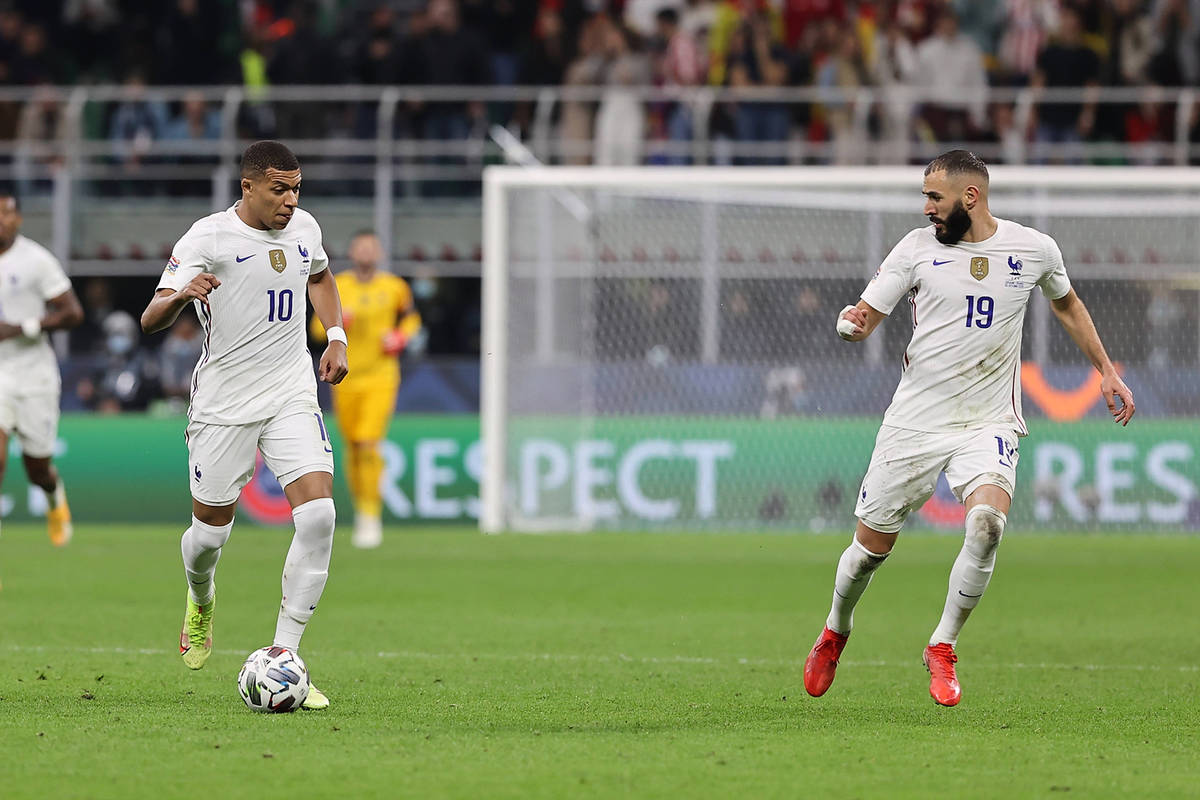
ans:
(610, 665)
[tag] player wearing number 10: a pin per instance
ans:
(968, 278)
(246, 271)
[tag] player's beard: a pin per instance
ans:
(955, 225)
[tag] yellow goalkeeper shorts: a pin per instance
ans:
(364, 411)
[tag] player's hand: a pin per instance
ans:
(9, 331)
(851, 323)
(333, 366)
(199, 287)
(1112, 387)
(394, 342)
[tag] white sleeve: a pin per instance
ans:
(320, 260)
(894, 277)
(190, 256)
(1054, 281)
(52, 279)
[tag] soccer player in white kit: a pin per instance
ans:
(35, 297)
(246, 271)
(968, 278)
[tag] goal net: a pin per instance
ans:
(659, 348)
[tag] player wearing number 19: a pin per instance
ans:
(245, 271)
(968, 278)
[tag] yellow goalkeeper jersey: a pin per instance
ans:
(370, 311)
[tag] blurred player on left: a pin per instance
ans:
(35, 297)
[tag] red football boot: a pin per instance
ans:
(943, 683)
(822, 661)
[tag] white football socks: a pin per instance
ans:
(854, 571)
(305, 570)
(201, 546)
(972, 570)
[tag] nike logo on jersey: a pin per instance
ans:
(240, 259)
(937, 263)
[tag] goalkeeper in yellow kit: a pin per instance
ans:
(380, 320)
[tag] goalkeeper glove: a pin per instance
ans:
(394, 342)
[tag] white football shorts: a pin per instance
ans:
(221, 458)
(34, 417)
(905, 466)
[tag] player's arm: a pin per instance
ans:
(327, 306)
(62, 312)
(1074, 316)
(166, 304)
(856, 322)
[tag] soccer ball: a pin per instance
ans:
(273, 679)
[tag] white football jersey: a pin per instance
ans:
(29, 276)
(255, 356)
(962, 368)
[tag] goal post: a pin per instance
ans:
(658, 348)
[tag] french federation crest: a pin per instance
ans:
(979, 267)
(279, 261)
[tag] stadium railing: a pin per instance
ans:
(372, 158)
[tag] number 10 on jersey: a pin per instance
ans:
(979, 311)
(279, 306)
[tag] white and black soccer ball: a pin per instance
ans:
(273, 679)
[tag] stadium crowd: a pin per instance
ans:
(951, 47)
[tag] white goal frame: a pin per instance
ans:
(716, 183)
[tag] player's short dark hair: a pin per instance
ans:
(262, 156)
(959, 162)
(6, 193)
(667, 16)
(363, 232)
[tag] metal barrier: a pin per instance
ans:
(374, 155)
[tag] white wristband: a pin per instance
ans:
(336, 334)
(31, 328)
(845, 328)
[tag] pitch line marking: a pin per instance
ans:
(600, 658)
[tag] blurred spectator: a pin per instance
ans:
(547, 55)
(1149, 126)
(785, 394)
(32, 63)
(621, 118)
(756, 60)
(844, 71)
(508, 23)
(1132, 43)
(798, 15)
(1164, 315)
(136, 123)
(178, 356)
(302, 56)
(1177, 24)
(41, 137)
(125, 379)
(682, 65)
(196, 121)
(379, 59)
(982, 21)
(91, 36)
(189, 27)
(1066, 62)
(895, 61)
(449, 55)
(949, 67)
(1025, 31)
(586, 70)
(97, 303)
